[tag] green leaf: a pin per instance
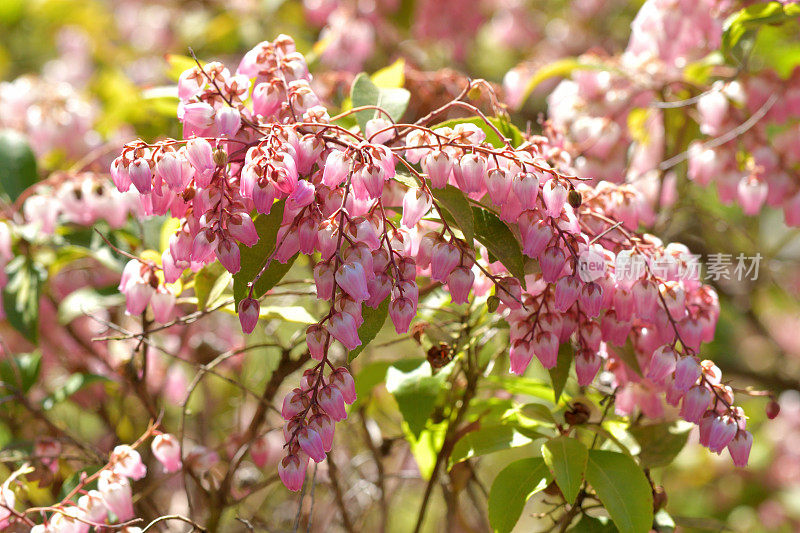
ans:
(416, 392)
(253, 259)
(367, 378)
(499, 241)
(210, 284)
(560, 372)
(566, 457)
(22, 370)
(373, 322)
(17, 164)
(745, 24)
(660, 443)
(426, 447)
(512, 488)
(21, 296)
(590, 524)
(391, 77)
(486, 440)
(455, 203)
(622, 488)
(364, 92)
(73, 384)
(522, 385)
(86, 301)
(538, 411)
(289, 313)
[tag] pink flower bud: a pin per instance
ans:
(645, 298)
(499, 185)
(228, 255)
(141, 176)
(331, 400)
(324, 426)
(198, 152)
(324, 280)
(368, 182)
(137, 296)
(170, 168)
(378, 130)
(566, 293)
(752, 194)
(552, 263)
(248, 314)
(402, 311)
(739, 448)
(267, 98)
(459, 283)
(438, 166)
(723, 430)
(343, 328)
(242, 228)
(509, 291)
(292, 471)
(416, 204)
(379, 289)
(93, 506)
(336, 169)
(162, 302)
(301, 196)
(526, 188)
(662, 363)
(554, 195)
(342, 380)
(545, 346)
(127, 462)
(228, 121)
(469, 173)
(444, 258)
(311, 443)
(587, 365)
(695, 403)
(120, 175)
(203, 245)
(713, 108)
(536, 234)
(167, 451)
(520, 356)
(316, 338)
(687, 372)
(591, 299)
(199, 114)
(293, 404)
(364, 232)
(352, 279)
(116, 492)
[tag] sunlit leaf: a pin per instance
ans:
(566, 458)
(622, 488)
(512, 488)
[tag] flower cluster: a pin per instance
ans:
(365, 207)
(112, 502)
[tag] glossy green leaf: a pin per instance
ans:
(507, 129)
(253, 259)
(73, 384)
(415, 391)
(499, 241)
(210, 284)
(622, 488)
(486, 440)
(364, 92)
(538, 411)
(21, 371)
(590, 524)
(455, 203)
(367, 378)
(373, 322)
(741, 28)
(512, 488)
(660, 443)
(21, 296)
(566, 458)
(17, 164)
(560, 372)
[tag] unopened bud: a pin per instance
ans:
(773, 409)
(220, 157)
(574, 198)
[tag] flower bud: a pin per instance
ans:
(167, 451)
(249, 311)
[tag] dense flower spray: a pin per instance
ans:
(365, 207)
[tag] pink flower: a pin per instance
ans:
(416, 204)
(324, 426)
(687, 372)
(343, 328)
(402, 311)
(197, 114)
(536, 234)
(228, 254)
(127, 462)
(242, 228)
(499, 185)
(520, 356)
(662, 363)
(752, 194)
(203, 245)
(293, 403)
(162, 302)
(566, 293)
(739, 448)
(228, 121)
(292, 471)
(316, 338)
(695, 403)
(116, 492)
(167, 451)
(552, 263)
(311, 442)
(342, 380)
(331, 400)
(723, 430)
(591, 299)
(444, 258)
(93, 506)
(587, 365)
(335, 169)
(469, 173)
(459, 283)
(554, 195)
(526, 188)
(353, 280)
(249, 311)
(545, 346)
(438, 166)
(141, 176)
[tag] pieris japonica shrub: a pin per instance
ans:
(414, 288)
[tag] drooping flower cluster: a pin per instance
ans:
(144, 282)
(365, 207)
(749, 125)
(112, 502)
